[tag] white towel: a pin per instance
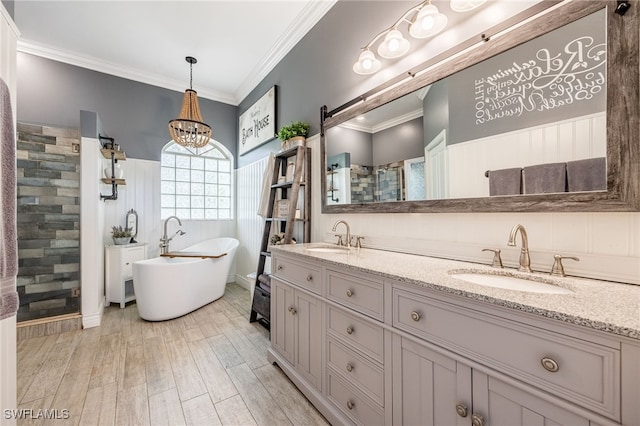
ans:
(267, 179)
(8, 227)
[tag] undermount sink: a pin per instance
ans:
(328, 249)
(509, 282)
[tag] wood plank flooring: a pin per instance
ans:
(206, 368)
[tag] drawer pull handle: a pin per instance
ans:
(415, 316)
(280, 267)
(549, 364)
(349, 293)
(462, 411)
(477, 420)
(127, 263)
(350, 405)
(309, 277)
(292, 310)
(349, 330)
(349, 367)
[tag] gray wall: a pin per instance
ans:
(357, 143)
(399, 142)
(436, 110)
(135, 114)
(317, 71)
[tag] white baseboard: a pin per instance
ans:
(93, 319)
(243, 281)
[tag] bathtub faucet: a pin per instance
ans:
(164, 241)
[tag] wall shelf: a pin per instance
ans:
(113, 155)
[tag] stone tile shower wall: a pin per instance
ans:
(362, 184)
(48, 166)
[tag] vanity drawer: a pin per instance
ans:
(584, 372)
(361, 373)
(360, 294)
(353, 403)
(357, 333)
(129, 256)
(300, 273)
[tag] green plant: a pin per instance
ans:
(120, 232)
(296, 128)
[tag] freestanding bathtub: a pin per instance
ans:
(171, 287)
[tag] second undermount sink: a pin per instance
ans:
(509, 282)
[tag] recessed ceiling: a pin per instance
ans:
(236, 42)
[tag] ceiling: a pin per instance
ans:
(237, 43)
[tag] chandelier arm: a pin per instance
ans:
(403, 18)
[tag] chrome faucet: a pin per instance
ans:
(164, 241)
(348, 236)
(525, 260)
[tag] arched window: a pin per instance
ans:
(196, 184)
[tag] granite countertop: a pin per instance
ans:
(601, 305)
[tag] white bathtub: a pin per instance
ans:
(171, 287)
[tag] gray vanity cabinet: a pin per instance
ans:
(430, 388)
(368, 350)
(296, 329)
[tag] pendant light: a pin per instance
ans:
(188, 129)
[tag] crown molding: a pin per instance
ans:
(395, 121)
(105, 67)
(308, 18)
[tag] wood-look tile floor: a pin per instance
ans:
(206, 368)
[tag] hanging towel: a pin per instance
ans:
(587, 175)
(505, 181)
(267, 178)
(8, 227)
(545, 178)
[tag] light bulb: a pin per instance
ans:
(428, 23)
(394, 45)
(367, 63)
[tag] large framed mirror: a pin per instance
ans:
(542, 118)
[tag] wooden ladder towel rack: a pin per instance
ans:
(281, 213)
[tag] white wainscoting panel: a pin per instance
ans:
(576, 139)
(249, 226)
(608, 244)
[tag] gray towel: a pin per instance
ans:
(8, 227)
(545, 178)
(505, 181)
(587, 175)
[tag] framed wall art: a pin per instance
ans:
(257, 124)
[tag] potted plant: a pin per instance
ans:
(294, 134)
(120, 235)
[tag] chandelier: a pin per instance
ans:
(188, 129)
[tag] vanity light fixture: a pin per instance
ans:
(466, 5)
(188, 129)
(427, 22)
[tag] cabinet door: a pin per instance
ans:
(500, 404)
(308, 334)
(428, 387)
(282, 319)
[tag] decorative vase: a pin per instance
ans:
(296, 141)
(119, 241)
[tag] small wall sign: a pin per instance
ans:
(257, 124)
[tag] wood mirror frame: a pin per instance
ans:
(622, 115)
